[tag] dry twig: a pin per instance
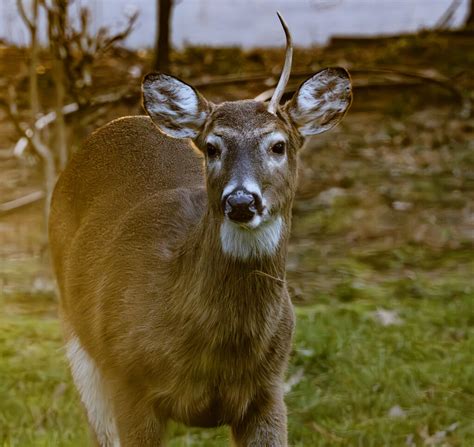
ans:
(28, 199)
(32, 136)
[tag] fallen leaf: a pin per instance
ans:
(387, 317)
(396, 412)
(293, 380)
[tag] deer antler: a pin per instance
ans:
(285, 73)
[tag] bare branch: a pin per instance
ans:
(11, 109)
(122, 35)
(400, 72)
(33, 137)
(445, 20)
(77, 47)
(31, 24)
(30, 198)
(24, 131)
(6, 154)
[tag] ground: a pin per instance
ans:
(380, 269)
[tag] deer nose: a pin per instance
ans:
(241, 205)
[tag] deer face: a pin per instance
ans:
(251, 163)
(250, 153)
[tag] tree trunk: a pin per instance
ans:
(57, 25)
(32, 24)
(162, 47)
(49, 175)
(33, 75)
(61, 137)
(470, 16)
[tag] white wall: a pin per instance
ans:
(253, 22)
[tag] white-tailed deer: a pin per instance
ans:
(169, 236)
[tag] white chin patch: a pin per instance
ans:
(253, 240)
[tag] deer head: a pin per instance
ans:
(250, 148)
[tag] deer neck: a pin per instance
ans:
(225, 276)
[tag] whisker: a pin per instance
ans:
(260, 273)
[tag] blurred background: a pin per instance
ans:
(380, 264)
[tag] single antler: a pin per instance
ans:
(285, 73)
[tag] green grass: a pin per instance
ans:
(349, 372)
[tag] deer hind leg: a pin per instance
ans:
(96, 400)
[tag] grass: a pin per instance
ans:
(39, 406)
(355, 381)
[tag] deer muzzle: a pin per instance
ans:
(241, 205)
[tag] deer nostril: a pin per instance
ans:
(258, 203)
(241, 206)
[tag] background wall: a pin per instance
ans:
(252, 22)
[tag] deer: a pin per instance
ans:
(168, 235)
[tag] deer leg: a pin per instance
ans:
(264, 425)
(94, 394)
(137, 422)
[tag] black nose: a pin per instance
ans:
(241, 205)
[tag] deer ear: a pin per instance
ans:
(321, 101)
(175, 107)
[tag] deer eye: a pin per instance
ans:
(278, 148)
(212, 151)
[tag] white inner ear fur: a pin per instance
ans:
(174, 106)
(321, 102)
(184, 96)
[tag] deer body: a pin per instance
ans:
(188, 328)
(170, 260)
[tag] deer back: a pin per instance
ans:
(119, 166)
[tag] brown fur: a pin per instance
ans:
(177, 329)
(213, 335)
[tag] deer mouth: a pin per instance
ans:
(258, 219)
